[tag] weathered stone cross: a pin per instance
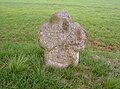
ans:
(62, 40)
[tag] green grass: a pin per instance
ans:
(22, 60)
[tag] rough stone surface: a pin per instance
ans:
(62, 40)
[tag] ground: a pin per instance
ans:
(22, 60)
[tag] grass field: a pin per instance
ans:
(21, 58)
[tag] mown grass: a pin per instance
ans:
(22, 60)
